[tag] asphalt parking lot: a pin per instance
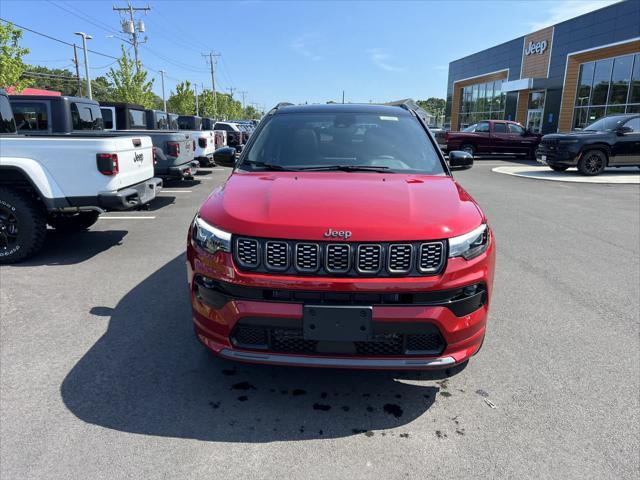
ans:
(101, 376)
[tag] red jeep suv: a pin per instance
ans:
(341, 240)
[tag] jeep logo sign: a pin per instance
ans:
(343, 234)
(138, 157)
(537, 47)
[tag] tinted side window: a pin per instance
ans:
(499, 128)
(162, 122)
(107, 118)
(223, 126)
(517, 129)
(31, 116)
(634, 124)
(85, 116)
(7, 124)
(137, 119)
(483, 127)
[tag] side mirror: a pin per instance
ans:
(459, 160)
(623, 130)
(225, 156)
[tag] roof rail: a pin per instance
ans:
(279, 105)
(411, 105)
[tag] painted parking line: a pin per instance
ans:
(103, 217)
(174, 191)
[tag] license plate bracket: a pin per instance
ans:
(337, 324)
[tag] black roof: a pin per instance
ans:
(53, 97)
(131, 106)
(372, 108)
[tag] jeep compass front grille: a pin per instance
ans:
(340, 259)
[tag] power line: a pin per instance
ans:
(134, 29)
(55, 39)
(84, 17)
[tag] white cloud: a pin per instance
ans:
(307, 46)
(380, 59)
(559, 11)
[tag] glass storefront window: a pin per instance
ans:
(620, 79)
(601, 80)
(482, 101)
(607, 87)
(585, 80)
(536, 100)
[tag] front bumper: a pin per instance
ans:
(554, 156)
(130, 197)
(401, 307)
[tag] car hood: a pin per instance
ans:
(576, 134)
(373, 207)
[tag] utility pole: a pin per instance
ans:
(342, 96)
(133, 29)
(212, 63)
(231, 90)
(243, 93)
(75, 61)
(164, 100)
(195, 86)
(86, 37)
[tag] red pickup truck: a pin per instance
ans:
(494, 137)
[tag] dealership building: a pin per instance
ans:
(556, 79)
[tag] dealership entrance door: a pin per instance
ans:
(535, 111)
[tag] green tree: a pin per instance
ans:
(206, 104)
(183, 101)
(129, 84)
(433, 105)
(57, 79)
(250, 113)
(11, 53)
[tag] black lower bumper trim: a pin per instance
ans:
(461, 301)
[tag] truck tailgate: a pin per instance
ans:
(135, 160)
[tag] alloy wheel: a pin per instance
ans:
(8, 229)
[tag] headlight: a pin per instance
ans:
(210, 238)
(471, 244)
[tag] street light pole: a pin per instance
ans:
(86, 37)
(164, 101)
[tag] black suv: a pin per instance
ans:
(612, 141)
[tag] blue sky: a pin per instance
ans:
(295, 51)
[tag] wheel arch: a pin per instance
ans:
(33, 178)
(603, 147)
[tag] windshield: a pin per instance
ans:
(470, 128)
(606, 123)
(300, 141)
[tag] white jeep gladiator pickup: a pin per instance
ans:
(65, 181)
(203, 140)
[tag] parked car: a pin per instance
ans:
(173, 150)
(64, 180)
(440, 135)
(203, 140)
(234, 134)
(362, 251)
(612, 141)
(220, 136)
(173, 121)
(491, 137)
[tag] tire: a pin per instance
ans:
(22, 226)
(592, 162)
(73, 222)
(557, 168)
(468, 148)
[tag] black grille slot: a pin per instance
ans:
(277, 255)
(431, 256)
(338, 258)
(369, 260)
(307, 257)
(247, 252)
(425, 343)
(400, 257)
(250, 336)
(291, 341)
(381, 345)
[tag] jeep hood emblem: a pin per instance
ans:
(343, 234)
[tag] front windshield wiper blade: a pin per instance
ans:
(349, 168)
(268, 166)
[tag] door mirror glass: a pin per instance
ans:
(459, 160)
(225, 156)
(624, 129)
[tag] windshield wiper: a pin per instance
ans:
(349, 168)
(268, 166)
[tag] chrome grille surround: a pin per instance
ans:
(307, 257)
(400, 258)
(276, 255)
(369, 258)
(338, 258)
(353, 259)
(431, 257)
(247, 252)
